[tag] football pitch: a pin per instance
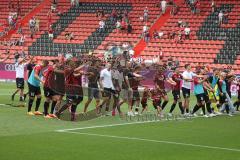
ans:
(35, 138)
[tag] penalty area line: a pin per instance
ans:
(154, 141)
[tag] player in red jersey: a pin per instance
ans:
(176, 77)
(134, 80)
(74, 92)
(156, 95)
(49, 93)
(159, 81)
(146, 95)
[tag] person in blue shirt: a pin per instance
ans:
(223, 92)
(199, 93)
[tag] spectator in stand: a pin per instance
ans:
(187, 32)
(69, 36)
(180, 23)
(53, 7)
(145, 14)
(123, 25)
(77, 3)
(113, 15)
(72, 3)
(145, 28)
(213, 6)
(129, 28)
(179, 38)
(37, 24)
(163, 6)
(50, 32)
(220, 17)
(101, 26)
(58, 27)
(155, 34)
(118, 26)
(119, 16)
(22, 40)
(147, 36)
(32, 24)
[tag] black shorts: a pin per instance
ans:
(186, 92)
(200, 97)
(176, 95)
(33, 90)
(48, 92)
(136, 95)
(93, 93)
(20, 83)
(74, 99)
(223, 98)
(157, 103)
(206, 97)
(108, 92)
(144, 104)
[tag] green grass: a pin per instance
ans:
(27, 138)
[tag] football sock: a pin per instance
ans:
(181, 107)
(208, 106)
(172, 107)
(203, 109)
(227, 108)
(187, 110)
(73, 108)
(46, 106)
(38, 102)
(53, 106)
(195, 109)
(164, 104)
(30, 103)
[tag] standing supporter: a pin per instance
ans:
(187, 32)
(145, 14)
(163, 6)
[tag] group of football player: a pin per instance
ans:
(115, 81)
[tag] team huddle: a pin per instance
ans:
(119, 82)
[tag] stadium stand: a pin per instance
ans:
(209, 43)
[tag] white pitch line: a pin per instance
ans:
(156, 141)
(113, 125)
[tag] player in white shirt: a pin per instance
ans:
(106, 85)
(19, 67)
(187, 85)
